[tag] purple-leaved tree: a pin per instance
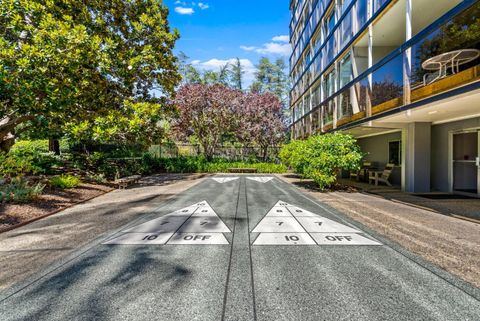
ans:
(208, 112)
(261, 122)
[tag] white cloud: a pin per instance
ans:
(270, 48)
(275, 49)
(183, 10)
(181, 2)
(279, 47)
(248, 48)
(203, 6)
(282, 38)
(215, 65)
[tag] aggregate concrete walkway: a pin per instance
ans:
(35, 246)
(240, 248)
(447, 241)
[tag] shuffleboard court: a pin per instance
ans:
(249, 248)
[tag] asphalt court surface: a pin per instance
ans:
(239, 248)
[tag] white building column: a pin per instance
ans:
(416, 150)
(407, 56)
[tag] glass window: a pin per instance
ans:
(329, 23)
(377, 4)
(394, 152)
(387, 83)
(346, 72)
(361, 10)
(346, 30)
(329, 84)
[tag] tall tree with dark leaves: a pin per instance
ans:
(69, 64)
(208, 112)
(261, 122)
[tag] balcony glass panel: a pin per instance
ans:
(316, 96)
(363, 94)
(361, 14)
(387, 85)
(316, 120)
(346, 30)
(448, 57)
(331, 49)
(327, 113)
(345, 104)
(346, 72)
(377, 4)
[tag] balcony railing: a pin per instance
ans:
(384, 86)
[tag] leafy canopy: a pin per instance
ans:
(71, 61)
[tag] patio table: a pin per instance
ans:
(451, 59)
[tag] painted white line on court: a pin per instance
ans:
(342, 239)
(198, 238)
(222, 180)
(260, 179)
(284, 239)
(141, 239)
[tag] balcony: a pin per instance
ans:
(390, 84)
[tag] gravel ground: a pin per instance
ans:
(448, 242)
(51, 200)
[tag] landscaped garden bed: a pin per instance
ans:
(50, 201)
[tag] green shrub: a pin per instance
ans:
(64, 181)
(19, 191)
(28, 157)
(294, 155)
(199, 164)
(320, 157)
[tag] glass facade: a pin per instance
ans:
(333, 79)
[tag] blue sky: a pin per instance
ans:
(214, 32)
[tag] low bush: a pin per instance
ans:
(19, 191)
(28, 157)
(320, 157)
(64, 181)
(199, 164)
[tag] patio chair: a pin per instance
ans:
(381, 176)
(431, 77)
(361, 173)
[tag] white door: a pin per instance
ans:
(466, 162)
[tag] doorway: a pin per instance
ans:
(466, 163)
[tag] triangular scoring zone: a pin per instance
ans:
(260, 179)
(286, 224)
(195, 224)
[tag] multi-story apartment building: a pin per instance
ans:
(400, 75)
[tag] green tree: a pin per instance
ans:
(271, 77)
(73, 61)
(236, 74)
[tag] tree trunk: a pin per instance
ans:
(264, 153)
(54, 146)
(6, 143)
(7, 130)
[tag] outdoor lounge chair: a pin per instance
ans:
(381, 176)
(361, 173)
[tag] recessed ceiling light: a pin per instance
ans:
(433, 112)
